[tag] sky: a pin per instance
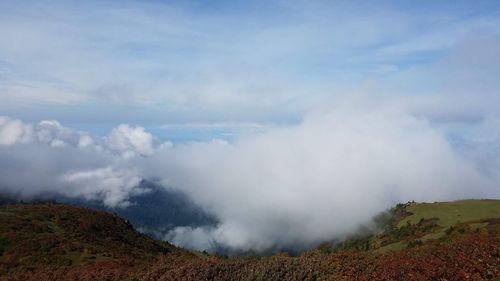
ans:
(267, 114)
(95, 64)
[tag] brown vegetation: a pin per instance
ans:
(57, 242)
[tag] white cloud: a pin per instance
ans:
(130, 140)
(193, 238)
(85, 141)
(124, 140)
(49, 158)
(306, 184)
(111, 186)
(216, 125)
(14, 131)
(289, 186)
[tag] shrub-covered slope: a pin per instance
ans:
(47, 237)
(416, 241)
(439, 241)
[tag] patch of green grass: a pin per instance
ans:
(447, 214)
(436, 235)
(391, 247)
(451, 213)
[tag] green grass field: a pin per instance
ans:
(448, 214)
(451, 213)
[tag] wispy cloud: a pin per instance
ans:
(219, 125)
(188, 58)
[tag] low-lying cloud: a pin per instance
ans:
(281, 188)
(306, 184)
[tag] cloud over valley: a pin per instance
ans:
(286, 186)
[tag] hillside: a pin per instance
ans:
(415, 241)
(51, 237)
(411, 224)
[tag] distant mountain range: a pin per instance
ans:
(153, 213)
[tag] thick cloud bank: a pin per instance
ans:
(283, 188)
(307, 184)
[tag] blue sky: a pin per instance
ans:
(95, 64)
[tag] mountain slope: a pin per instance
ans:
(457, 241)
(49, 237)
(418, 241)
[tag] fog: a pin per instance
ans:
(298, 186)
(284, 187)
